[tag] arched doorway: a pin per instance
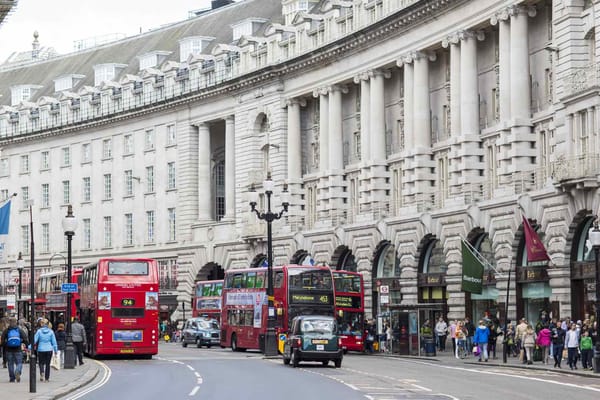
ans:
(478, 305)
(583, 269)
(343, 259)
(302, 257)
(431, 279)
(210, 271)
(259, 260)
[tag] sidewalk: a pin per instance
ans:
(61, 382)
(447, 357)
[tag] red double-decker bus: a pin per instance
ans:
(297, 290)
(50, 300)
(207, 299)
(350, 309)
(119, 306)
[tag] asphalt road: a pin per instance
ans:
(215, 373)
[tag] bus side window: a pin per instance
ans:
(278, 279)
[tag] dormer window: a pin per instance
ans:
(106, 72)
(247, 27)
(20, 93)
(292, 7)
(66, 82)
(152, 59)
(192, 45)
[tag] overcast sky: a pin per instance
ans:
(60, 22)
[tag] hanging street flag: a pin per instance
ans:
(4, 225)
(535, 249)
(472, 271)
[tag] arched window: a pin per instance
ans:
(434, 259)
(388, 264)
(584, 249)
(590, 43)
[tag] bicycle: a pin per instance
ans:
(461, 350)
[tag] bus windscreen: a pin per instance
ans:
(127, 268)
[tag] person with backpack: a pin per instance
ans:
(13, 339)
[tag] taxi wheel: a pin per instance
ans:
(286, 361)
(325, 363)
(295, 360)
(198, 343)
(183, 343)
(208, 346)
(338, 363)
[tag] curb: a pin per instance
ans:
(88, 377)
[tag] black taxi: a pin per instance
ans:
(313, 338)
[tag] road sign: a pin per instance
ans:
(385, 289)
(385, 299)
(68, 288)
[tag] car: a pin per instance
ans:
(202, 331)
(313, 338)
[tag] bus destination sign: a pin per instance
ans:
(310, 298)
(128, 302)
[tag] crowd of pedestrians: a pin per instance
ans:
(48, 344)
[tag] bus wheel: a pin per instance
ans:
(325, 362)
(234, 343)
(198, 343)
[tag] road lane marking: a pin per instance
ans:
(194, 391)
(105, 378)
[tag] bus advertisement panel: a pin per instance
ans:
(207, 299)
(119, 306)
(350, 309)
(297, 290)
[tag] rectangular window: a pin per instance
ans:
(128, 144)
(150, 179)
(45, 195)
(66, 192)
(24, 197)
(149, 140)
(66, 156)
(171, 175)
(128, 229)
(107, 186)
(45, 238)
(87, 233)
(172, 226)
(3, 194)
(86, 152)
(45, 160)
(4, 167)
(25, 164)
(171, 138)
(150, 226)
(107, 149)
(87, 189)
(25, 239)
(108, 231)
(129, 183)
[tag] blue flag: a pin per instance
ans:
(4, 218)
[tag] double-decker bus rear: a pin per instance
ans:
(350, 309)
(119, 306)
(207, 299)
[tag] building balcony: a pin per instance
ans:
(583, 79)
(580, 171)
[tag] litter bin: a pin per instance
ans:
(429, 344)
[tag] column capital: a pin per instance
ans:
(322, 91)
(518, 9)
(450, 39)
(293, 101)
(229, 118)
(363, 76)
(501, 15)
(199, 124)
(469, 34)
(336, 88)
(405, 59)
(380, 72)
(430, 55)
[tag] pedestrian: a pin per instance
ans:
(13, 339)
(572, 345)
(389, 334)
(529, 339)
(452, 332)
(45, 343)
(519, 332)
(585, 346)
(470, 332)
(544, 340)
(558, 343)
(481, 339)
(61, 341)
(441, 332)
(370, 337)
(79, 339)
(460, 336)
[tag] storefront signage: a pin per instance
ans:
(532, 274)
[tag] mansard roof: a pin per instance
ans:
(216, 23)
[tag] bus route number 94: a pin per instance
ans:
(128, 302)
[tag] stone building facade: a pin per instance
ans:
(401, 127)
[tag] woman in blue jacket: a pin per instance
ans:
(46, 346)
(481, 338)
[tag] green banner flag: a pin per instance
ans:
(472, 272)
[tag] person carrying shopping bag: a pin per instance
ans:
(45, 342)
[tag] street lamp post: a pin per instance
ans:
(20, 266)
(270, 348)
(183, 309)
(594, 238)
(69, 224)
(32, 354)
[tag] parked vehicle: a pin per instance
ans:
(202, 331)
(313, 338)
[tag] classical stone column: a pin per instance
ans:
(469, 88)
(229, 169)
(377, 115)
(204, 182)
(294, 143)
(520, 87)
(335, 156)
(504, 78)
(321, 94)
(455, 73)
(422, 107)
(408, 80)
